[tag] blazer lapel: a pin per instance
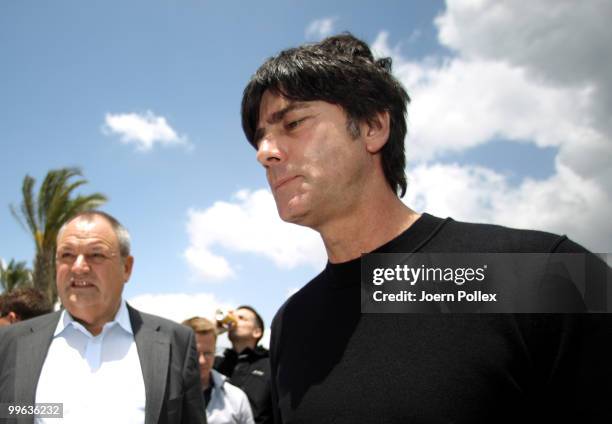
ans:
(154, 353)
(31, 352)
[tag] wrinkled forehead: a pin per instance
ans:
(88, 230)
(84, 225)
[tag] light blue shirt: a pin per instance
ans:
(97, 378)
(228, 404)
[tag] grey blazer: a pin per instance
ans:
(167, 355)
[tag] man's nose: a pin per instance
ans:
(269, 152)
(80, 264)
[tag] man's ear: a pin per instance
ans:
(376, 131)
(257, 332)
(128, 263)
(12, 317)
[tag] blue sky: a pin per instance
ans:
(508, 124)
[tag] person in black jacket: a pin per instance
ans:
(246, 364)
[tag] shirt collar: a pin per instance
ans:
(218, 379)
(122, 318)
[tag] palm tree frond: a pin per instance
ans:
(53, 186)
(14, 275)
(26, 214)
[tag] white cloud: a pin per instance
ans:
(499, 84)
(249, 224)
(180, 306)
(207, 265)
(559, 40)
(557, 43)
(143, 130)
(320, 28)
(564, 203)
(458, 104)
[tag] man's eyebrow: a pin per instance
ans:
(277, 117)
(97, 245)
(280, 114)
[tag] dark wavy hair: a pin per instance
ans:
(340, 70)
(26, 303)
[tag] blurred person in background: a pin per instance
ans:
(224, 402)
(21, 304)
(246, 364)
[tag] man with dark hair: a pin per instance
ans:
(99, 357)
(327, 121)
(21, 304)
(246, 364)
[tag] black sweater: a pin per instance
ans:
(332, 364)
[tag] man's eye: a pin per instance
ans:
(97, 256)
(294, 124)
(66, 255)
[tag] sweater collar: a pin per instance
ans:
(348, 273)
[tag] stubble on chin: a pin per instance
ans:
(79, 301)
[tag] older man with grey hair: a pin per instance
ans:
(101, 359)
